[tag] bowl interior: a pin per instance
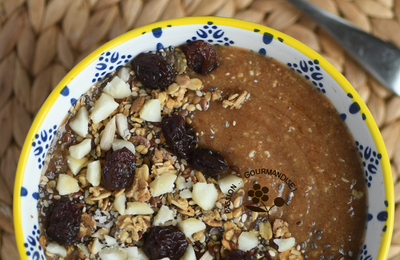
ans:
(220, 31)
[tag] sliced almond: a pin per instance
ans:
(205, 195)
(119, 144)
(117, 88)
(108, 135)
(247, 241)
(55, 248)
(162, 184)
(190, 226)
(80, 150)
(138, 208)
(80, 122)
(75, 165)
(103, 107)
(123, 73)
(230, 184)
(122, 126)
(285, 243)
(96, 246)
(164, 214)
(151, 111)
(93, 174)
(67, 184)
(119, 203)
(112, 253)
(189, 253)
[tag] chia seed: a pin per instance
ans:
(318, 237)
(320, 257)
(279, 186)
(330, 257)
(327, 245)
(226, 124)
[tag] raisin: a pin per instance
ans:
(201, 57)
(153, 71)
(208, 162)
(239, 255)
(161, 242)
(64, 222)
(119, 169)
(181, 138)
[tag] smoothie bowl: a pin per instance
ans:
(203, 138)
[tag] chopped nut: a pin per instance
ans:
(281, 229)
(235, 101)
(184, 207)
(198, 235)
(266, 230)
(212, 218)
(43, 241)
(357, 194)
(200, 177)
(216, 95)
(137, 105)
(140, 188)
(87, 227)
(290, 254)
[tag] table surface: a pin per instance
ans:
(40, 41)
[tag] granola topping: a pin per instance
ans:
(117, 160)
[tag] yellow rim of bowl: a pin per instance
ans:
(339, 78)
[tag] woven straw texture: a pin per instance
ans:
(41, 40)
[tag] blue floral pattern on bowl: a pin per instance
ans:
(311, 71)
(42, 144)
(212, 34)
(33, 247)
(264, 43)
(108, 62)
(370, 160)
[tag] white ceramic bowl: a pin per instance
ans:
(221, 31)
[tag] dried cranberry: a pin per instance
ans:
(208, 162)
(239, 255)
(181, 138)
(201, 57)
(119, 169)
(162, 242)
(153, 71)
(64, 222)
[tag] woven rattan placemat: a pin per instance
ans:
(41, 40)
